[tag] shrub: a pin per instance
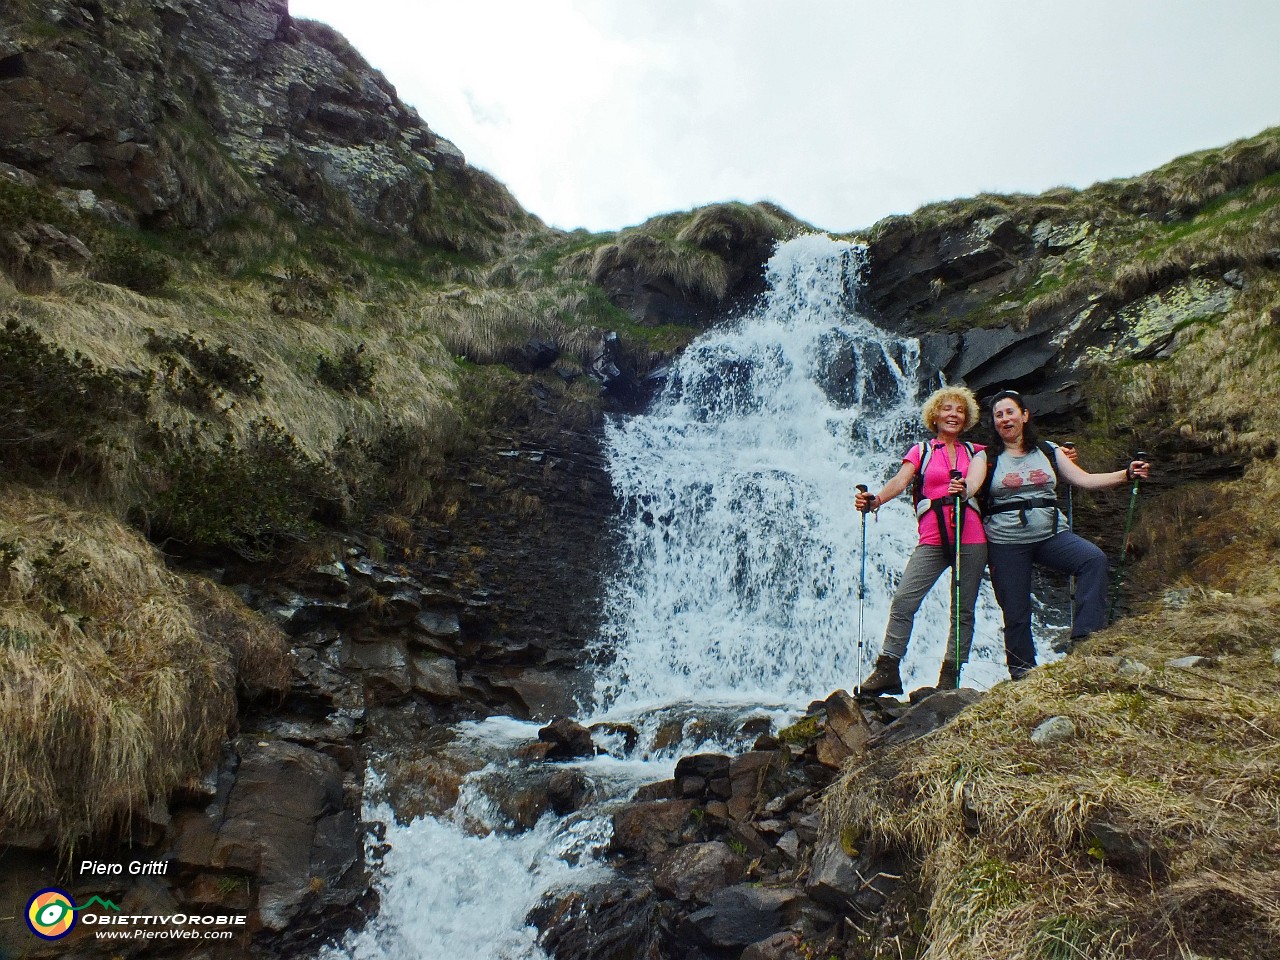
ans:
(248, 498)
(127, 263)
(221, 366)
(58, 411)
(350, 372)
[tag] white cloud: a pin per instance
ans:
(600, 113)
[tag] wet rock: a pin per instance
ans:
(383, 669)
(296, 613)
(319, 683)
(443, 625)
(652, 827)
(435, 677)
(333, 576)
(742, 915)
(569, 739)
(615, 739)
(925, 717)
(541, 694)
(696, 871)
(567, 791)
(282, 822)
(661, 790)
(616, 920)
(706, 766)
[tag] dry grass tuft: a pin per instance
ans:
(117, 677)
(1184, 763)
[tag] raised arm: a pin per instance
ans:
(892, 487)
(1085, 480)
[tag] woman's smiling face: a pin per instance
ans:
(1010, 419)
(950, 419)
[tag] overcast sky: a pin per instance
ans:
(602, 113)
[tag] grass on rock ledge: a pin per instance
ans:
(114, 671)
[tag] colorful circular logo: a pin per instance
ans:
(51, 913)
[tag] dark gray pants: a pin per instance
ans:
(923, 569)
(1011, 579)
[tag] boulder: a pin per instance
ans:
(844, 883)
(283, 822)
(1054, 730)
(696, 871)
(568, 738)
(925, 717)
(846, 731)
(744, 914)
(652, 827)
(613, 920)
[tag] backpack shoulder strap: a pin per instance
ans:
(917, 482)
(984, 492)
(1051, 453)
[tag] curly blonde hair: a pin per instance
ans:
(929, 412)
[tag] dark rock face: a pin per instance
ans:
(910, 269)
(932, 282)
(285, 821)
(122, 98)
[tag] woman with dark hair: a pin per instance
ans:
(1024, 526)
(934, 470)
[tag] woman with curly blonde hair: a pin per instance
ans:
(931, 468)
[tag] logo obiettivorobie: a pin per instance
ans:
(51, 913)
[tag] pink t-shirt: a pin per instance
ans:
(937, 478)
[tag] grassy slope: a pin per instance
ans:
(1185, 763)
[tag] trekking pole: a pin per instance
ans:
(1124, 549)
(862, 593)
(1071, 528)
(955, 569)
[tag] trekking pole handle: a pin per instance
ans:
(862, 488)
(1138, 455)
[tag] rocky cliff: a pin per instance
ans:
(179, 113)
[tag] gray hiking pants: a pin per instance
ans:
(927, 563)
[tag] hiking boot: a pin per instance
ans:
(884, 679)
(948, 676)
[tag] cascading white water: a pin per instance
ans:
(736, 594)
(740, 570)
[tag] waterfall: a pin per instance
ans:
(740, 566)
(735, 595)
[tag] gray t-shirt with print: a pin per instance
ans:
(1022, 480)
